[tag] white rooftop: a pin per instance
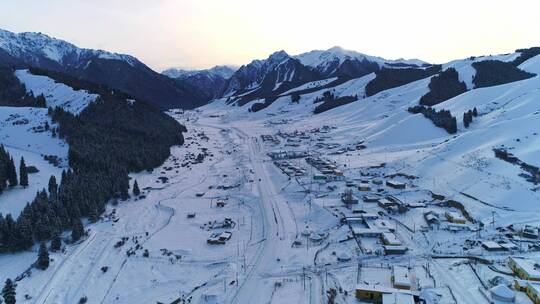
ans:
(402, 277)
(397, 298)
(530, 266)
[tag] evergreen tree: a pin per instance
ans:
(475, 112)
(23, 172)
(466, 120)
(43, 257)
(136, 190)
(12, 174)
(56, 243)
(295, 98)
(8, 292)
(53, 188)
(78, 230)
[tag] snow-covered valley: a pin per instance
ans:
(325, 177)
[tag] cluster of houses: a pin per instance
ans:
(290, 169)
(270, 138)
(329, 170)
(289, 154)
(401, 290)
(371, 225)
(528, 272)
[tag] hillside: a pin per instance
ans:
(118, 71)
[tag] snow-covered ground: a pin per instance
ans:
(56, 94)
(23, 135)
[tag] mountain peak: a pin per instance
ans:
(279, 55)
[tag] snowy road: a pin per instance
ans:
(278, 223)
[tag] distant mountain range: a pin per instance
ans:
(121, 72)
(187, 88)
(278, 75)
(208, 83)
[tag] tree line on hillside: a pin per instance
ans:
(330, 101)
(494, 72)
(109, 138)
(442, 118)
(8, 174)
(443, 87)
(391, 78)
(525, 55)
(13, 92)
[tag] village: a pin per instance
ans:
(394, 230)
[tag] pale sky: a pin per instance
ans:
(203, 33)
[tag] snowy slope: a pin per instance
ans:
(466, 71)
(22, 134)
(56, 94)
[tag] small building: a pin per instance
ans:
(377, 182)
(388, 250)
(455, 217)
(389, 238)
(369, 216)
(384, 203)
(338, 172)
(492, 246)
(509, 246)
(530, 232)
(371, 198)
(376, 293)
(397, 298)
(533, 291)
(501, 294)
(401, 277)
(367, 232)
(319, 177)
(364, 187)
(457, 227)
(431, 218)
(354, 219)
(395, 184)
(381, 224)
(525, 269)
(350, 183)
(416, 205)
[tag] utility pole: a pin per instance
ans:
(304, 276)
(358, 271)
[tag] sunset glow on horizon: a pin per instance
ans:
(203, 33)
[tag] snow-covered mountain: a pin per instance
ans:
(223, 71)
(335, 61)
(41, 50)
(207, 83)
(263, 78)
(118, 71)
(281, 72)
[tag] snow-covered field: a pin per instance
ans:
(56, 94)
(22, 134)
